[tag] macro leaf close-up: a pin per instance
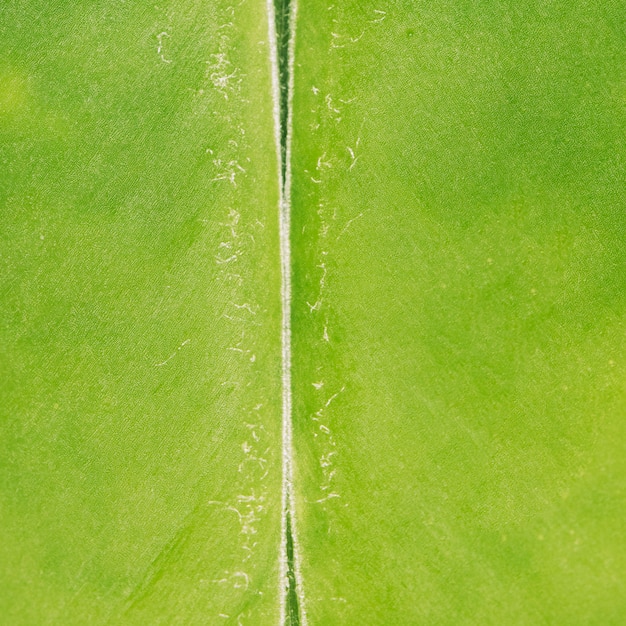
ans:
(312, 313)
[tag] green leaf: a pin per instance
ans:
(459, 301)
(141, 464)
(312, 314)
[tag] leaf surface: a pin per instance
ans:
(459, 304)
(140, 472)
(315, 324)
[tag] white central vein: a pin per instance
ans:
(284, 221)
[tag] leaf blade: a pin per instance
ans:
(141, 465)
(457, 224)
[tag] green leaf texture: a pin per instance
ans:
(453, 175)
(140, 472)
(459, 328)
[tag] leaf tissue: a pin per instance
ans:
(312, 313)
